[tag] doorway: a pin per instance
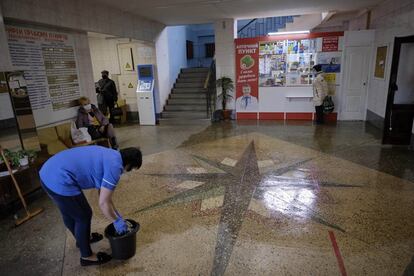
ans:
(357, 60)
(398, 123)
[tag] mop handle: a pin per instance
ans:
(14, 180)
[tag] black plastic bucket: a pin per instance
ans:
(123, 247)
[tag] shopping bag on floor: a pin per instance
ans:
(79, 135)
(328, 105)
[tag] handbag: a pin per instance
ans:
(328, 105)
(79, 135)
(116, 111)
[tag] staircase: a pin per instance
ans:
(262, 26)
(188, 97)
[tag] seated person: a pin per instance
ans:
(98, 125)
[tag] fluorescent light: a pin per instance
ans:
(288, 33)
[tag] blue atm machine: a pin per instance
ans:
(145, 95)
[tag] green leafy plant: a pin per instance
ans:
(227, 87)
(15, 156)
(31, 154)
(12, 156)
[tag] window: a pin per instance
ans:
(190, 49)
(210, 49)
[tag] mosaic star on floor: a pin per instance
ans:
(255, 205)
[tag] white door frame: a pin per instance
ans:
(364, 38)
(344, 80)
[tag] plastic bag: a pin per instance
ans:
(79, 135)
(328, 105)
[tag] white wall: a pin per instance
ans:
(171, 57)
(177, 51)
(5, 63)
(273, 99)
(6, 110)
(163, 68)
(303, 23)
(104, 55)
(82, 15)
(225, 31)
(405, 77)
(391, 19)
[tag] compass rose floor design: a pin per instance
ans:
(257, 205)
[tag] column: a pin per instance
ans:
(225, 32)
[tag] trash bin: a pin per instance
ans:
(123, 247)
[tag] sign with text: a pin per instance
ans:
(247, 73)
(330, 44)
(48, 59)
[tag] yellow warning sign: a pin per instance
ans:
(130, 85)
(128, 66)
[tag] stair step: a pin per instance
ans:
(186, 108)
(184, 114)
(193, 75)
(195, 70)
(191, 80)
(196, 96)
(190, 101)
(189, 85)
(189, 90)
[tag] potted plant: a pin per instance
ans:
(26, 156)
(227, 87)
(19, 158)
(31, 155)
(13, 157)
(23, 158)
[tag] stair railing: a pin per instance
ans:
(211, 92)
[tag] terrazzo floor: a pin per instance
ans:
(249, 199)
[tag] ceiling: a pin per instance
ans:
(179, 12)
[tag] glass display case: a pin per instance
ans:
(287, 62)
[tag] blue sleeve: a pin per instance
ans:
(112, 172)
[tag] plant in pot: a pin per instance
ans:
(227, 87)
(23, 158)
(31, 154)
(13, 157)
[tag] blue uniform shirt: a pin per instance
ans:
(70, 171)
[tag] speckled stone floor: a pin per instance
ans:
(245, 199)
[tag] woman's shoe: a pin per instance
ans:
(102, 258)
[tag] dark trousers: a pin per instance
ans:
(77, 216)
(319, 114)
(110, 105)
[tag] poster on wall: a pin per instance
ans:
(330, 44)
(289, 62)
(380, 60)
(330, 79)
(247, 71)
(49, 62)
(299, 69)
(330, 61)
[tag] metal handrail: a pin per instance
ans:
(247, 25)
(210, 85)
